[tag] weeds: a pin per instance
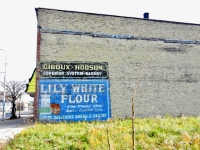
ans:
(150, 134)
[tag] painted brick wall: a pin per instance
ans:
(170, 82)
(116, 25)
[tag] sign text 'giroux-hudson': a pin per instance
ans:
(74, 70)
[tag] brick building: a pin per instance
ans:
(169, 84)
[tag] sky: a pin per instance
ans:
(18, 24)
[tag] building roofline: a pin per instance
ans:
(155, 20)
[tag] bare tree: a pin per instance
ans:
(14, 90)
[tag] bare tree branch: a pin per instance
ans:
(14, 90)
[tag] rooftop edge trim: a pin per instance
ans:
(93, 13)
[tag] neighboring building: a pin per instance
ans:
(30, 87)
(8, 105)
(169, 84)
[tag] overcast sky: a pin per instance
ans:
(18, 24)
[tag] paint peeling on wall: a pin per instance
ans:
(116, 36)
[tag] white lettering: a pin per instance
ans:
(95, 87)
(84, 88)
(55, 89)
(94, 98)
(63, 87)
(86, 98)
(101, 88)
(63, 97)
(49, 88)
(42, 89)
(80, 98)
(99, 115)
(75, 87)
(70, 99)
(93, 73)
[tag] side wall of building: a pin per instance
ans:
(168, 85)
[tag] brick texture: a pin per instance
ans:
(169, 84)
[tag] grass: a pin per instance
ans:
(158, 133)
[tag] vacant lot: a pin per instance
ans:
(150, 133)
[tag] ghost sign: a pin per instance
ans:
(74, 70)
(63, 99)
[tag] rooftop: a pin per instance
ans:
(155, 20)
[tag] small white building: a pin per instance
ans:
(8, 106)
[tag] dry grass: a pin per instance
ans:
(158, 133)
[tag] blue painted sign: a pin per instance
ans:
(74, 100)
